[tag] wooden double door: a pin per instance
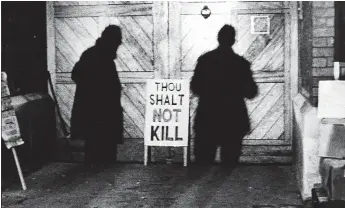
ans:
(164, 40)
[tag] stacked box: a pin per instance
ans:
(333, 177)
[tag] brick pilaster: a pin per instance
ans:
(323, 45)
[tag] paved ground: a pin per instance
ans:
(159, 185)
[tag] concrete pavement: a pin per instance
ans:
(156, 185)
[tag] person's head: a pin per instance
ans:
(227, 36)
(111, 39)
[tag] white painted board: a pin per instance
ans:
(331, 99)
(167, 113)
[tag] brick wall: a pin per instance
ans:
(322, 45)
(316, 46)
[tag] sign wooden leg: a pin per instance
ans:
(185, 156)
(146, 154)
(336, 70)
(20, 173)
(149, 154)
(169, 159)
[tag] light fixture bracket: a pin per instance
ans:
(205, 12)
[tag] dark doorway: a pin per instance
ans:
(24, 56)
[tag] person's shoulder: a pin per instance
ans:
(212, 52)
(89, 53)
(241, 60)
(207, 55)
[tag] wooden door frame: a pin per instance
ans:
(167, 57)
(290, 60)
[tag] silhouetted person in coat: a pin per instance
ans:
(222, 79)
(97, 113)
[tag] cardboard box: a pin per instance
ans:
(333, 178)
(332, 141)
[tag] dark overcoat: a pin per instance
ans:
(222, 80)
(97, 110)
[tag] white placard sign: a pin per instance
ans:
(260, 25)
(331, 99)
(167, 113)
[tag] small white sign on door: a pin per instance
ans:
(260, 25)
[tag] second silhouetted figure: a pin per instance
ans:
(97, 112)
(222, 79)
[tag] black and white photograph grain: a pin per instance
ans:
(173, 104)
